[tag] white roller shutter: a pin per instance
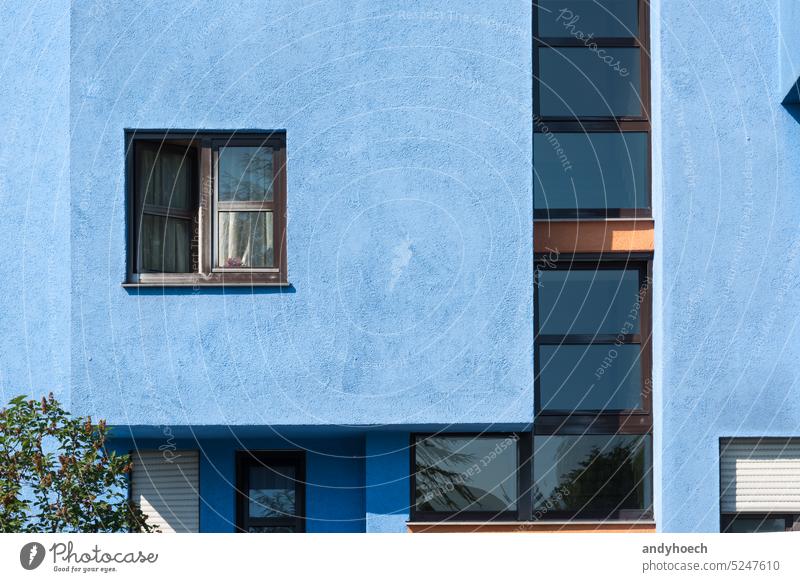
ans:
(760, 475)
(166, 488)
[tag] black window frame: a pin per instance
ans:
(249, 458)
(522, 511)
(595, 124)
(636, 422)
(791, 520)
(205, 144)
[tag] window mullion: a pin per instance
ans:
(207, 182)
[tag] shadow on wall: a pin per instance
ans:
(207, 290)
(794, 110)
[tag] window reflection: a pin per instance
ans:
(592, 475)
(466, 474)
(575, 171)
(581, 82)
(582, 18)
(272, 491)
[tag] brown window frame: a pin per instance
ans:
(246, 459)
(205, 145)
(637, 422)
(609, 124)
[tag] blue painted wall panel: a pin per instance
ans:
(729, 246)
(35, 200)
(387, 482)
(335, 478)
(409, 184)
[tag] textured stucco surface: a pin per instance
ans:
(409, 240)
(729, 247)
(34, 197)
(789, 47)
(409, 188)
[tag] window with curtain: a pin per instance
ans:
(208, 208)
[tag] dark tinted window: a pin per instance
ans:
(590, 377)
(582, 18)
(592, 475)
(165, 186)
(580, 82)
(590, 170)
(756, 524)
(588, 301)
(455, 474)
(270, 492)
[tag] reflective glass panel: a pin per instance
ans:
(596, 475)
(576, 171)
(466, 474)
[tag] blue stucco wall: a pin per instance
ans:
(334, 488)
(729, 246)
(409, 184)
(387, 479)
(789, 48)
(34, 196)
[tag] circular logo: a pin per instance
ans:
(31, 555)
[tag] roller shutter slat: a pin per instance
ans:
(167, 489)
(760, 475)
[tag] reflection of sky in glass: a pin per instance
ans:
(271, 491)
(491, 486)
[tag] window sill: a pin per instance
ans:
(196, 281)
(542, 219)
(554, 526)
(205, 284)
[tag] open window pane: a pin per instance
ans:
(588, 301)
(577, 171)
(246, 174)
(165, 244)
(164, 176)
(456, 474)
(246, 240)
(582, 82)
(272, 491)
(587, 19)
(592, 475)
(590, 377)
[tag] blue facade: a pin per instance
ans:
(410, 249)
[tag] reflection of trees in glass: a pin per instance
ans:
(246, 174)
(272, 503)
(442, 489)
(601, 482)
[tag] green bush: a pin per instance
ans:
(57, 476)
